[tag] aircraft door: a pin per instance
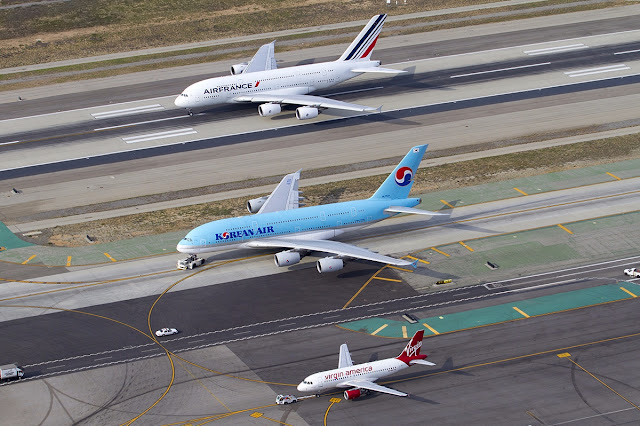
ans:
(354, 212)
(323, 217)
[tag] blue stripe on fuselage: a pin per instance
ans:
(307, 219)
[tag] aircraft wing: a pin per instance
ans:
(345, 357)
(365, 384)
(263, 60)
(304, 100)
(327, 246)
(286, 195)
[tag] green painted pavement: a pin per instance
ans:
(8, 240)
(531, 185)
(543, 305)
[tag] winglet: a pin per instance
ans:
(415, 264)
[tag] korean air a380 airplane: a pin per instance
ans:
(360, 378)
(260, 81)
(279, 222)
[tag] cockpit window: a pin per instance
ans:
(187, 239)
(184, 94)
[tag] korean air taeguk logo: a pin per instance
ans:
(403, 176)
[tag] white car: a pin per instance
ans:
(166, 332)
(632, 272)
(285, 399)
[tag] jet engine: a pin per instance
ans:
(286, 258)
(305, 112)
(254, 205)
(329, 264)
(265, 110)
(352, 393)
(238, 68)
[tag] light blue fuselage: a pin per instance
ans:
(322, 222)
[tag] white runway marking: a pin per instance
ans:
(598, 70)
(501, 69)
(138, 123)
(627, 51)
(160, 135)
(127, 111)
(556, 49)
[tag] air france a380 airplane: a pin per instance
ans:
(260, 81)
(363, 376)
(279, 223)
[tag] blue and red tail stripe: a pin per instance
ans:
(366, 41)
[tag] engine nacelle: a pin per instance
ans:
(286, 258)
(265, 110)
(238, 68)
(352, 393)
(305, 112)
(329, 264)
(254, 205)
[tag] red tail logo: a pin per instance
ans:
(412, 350)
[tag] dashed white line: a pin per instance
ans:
(160, 135)
(598, 70)
(55, 366)
(106, 357)
(500, 70)
(285, 325)
(627, 51)
(139, 123)
(556, 49)
(127, 111)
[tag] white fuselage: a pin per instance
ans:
(338, 378)
(298, 80)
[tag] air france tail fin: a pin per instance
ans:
(411, 353)
(400, 181)
(363, 45)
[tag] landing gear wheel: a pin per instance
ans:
(190, 112)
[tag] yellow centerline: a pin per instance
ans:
(333, 401)
(362, 288)
(388, 279)
(446, 204)
(603, 383)
(109, 257)
(29, 259)
(415, 258)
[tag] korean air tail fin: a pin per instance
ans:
(364, 43)
(411, 353)
(400, 181)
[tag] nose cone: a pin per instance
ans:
(180, 101)
(302, 387)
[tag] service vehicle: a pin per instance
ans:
(285, 399)
(10, 372)
(632, 272)
(190, 262)
(166, 332)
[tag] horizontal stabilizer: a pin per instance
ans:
(421, 361)
(410, 210)
(379, 70)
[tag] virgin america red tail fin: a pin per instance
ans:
(411, 353)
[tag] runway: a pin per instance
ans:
(250, 330)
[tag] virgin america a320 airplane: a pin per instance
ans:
(260, 81)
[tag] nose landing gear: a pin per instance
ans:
(190, 112)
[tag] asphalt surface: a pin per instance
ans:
(504, 374)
